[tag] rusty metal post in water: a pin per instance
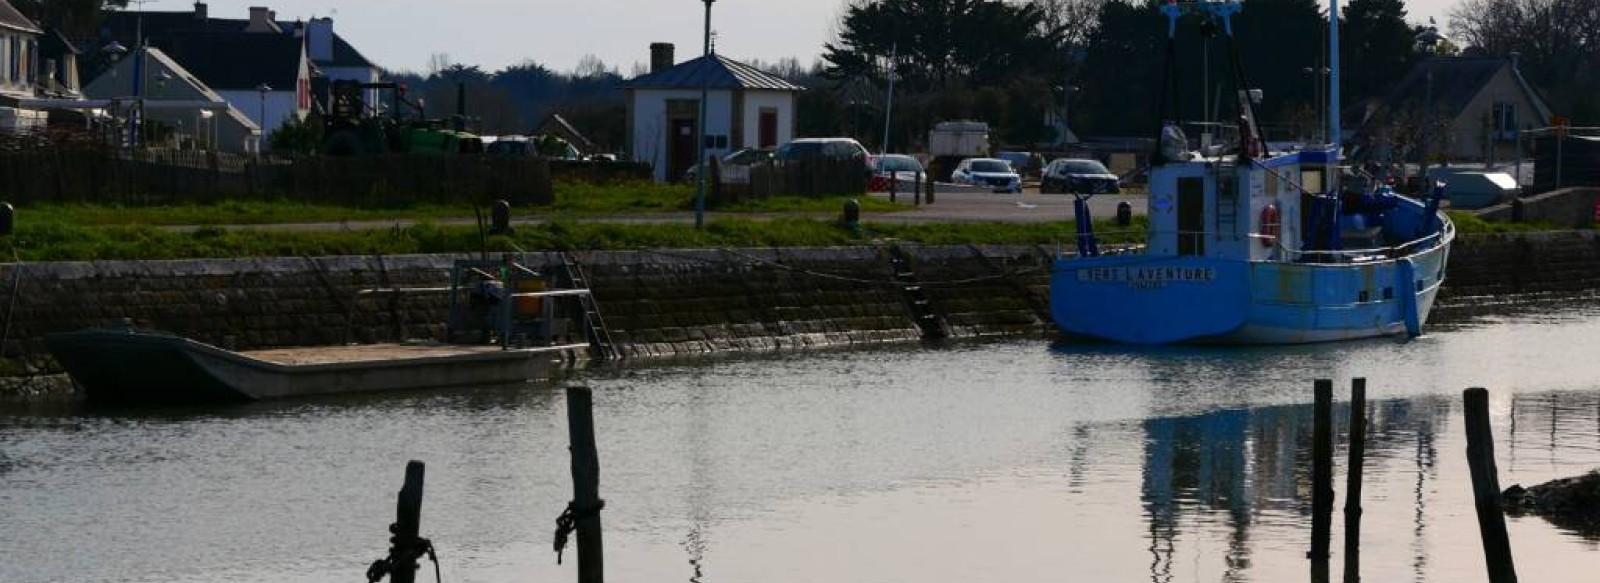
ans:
(1322, 471)
(1486, 487)
(1352, 490)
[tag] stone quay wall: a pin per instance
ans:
(655, 303)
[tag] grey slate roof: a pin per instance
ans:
(1456, 80)
(238, 61)
(715, 72)
(122, 26)
(13, 19)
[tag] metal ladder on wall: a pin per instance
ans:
(933, 325)
(594, 326)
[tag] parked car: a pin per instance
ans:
(735, 166)
(991, 172)
(821, 149)
(1025, 163)
(1078, 176)
(900, 167)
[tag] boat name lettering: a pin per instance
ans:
(1144, 277)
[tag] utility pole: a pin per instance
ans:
(705, 96)
(888, 112)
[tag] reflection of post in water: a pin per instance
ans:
(701, 484)
(1202, 459)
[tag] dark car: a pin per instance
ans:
(1025, 163)
(822, 149)
(1078, 176)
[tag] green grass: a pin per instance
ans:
(572, 199)
(1468, 223)
(68, 242)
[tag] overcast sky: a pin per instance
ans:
(402, 34)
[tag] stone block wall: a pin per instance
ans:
(242, 303)
(1510, 264)
(656, 303)
(1568, 207)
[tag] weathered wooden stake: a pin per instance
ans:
(403, 551)
(1322, 471)
(586, 501)
(1352, 490)
(1486, 487)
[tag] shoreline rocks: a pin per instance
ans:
(1569, 503)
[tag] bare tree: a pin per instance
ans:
(1073, 20)
(590, 66)
(1559, 43)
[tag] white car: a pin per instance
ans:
(990, 172)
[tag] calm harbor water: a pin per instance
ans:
(1016, 461)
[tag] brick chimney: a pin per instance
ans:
(261, 21)
(200, 11)
(319, 39)
(661, 57)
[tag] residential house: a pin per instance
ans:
(746, 107)
(58, 69)
(266, 76)
(246, 64)
(177, 98)
(1482, 101)
(19, 51)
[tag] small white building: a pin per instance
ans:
(746, 108)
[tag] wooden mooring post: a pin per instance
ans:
(1321, 479)
(406, 546)
(1486, 487)
(1352, 490)
(583, 513)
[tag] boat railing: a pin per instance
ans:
(1285, 253)
(1341, 256)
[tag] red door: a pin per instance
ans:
(767, 131)
(681, 152)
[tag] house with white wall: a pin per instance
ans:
(19, 55)
(745, 108)
(236, 56)
(172, 95)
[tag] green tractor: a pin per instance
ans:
(353, 127)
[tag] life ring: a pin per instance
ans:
(1269, 225)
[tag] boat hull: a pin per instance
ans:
(1139, 299)
(135, 367)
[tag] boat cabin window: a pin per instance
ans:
(1272, 187)
(1311, 180)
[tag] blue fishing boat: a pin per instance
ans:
(1248, 246)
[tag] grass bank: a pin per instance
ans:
(576, 200)
(65, 242)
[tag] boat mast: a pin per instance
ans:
(1333, 76)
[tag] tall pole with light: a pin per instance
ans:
(1429, 40)
(705, 96)
(263, 88)
(1333, 76)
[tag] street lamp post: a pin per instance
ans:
(1429, 40)
(263, 89)
(705, 96)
